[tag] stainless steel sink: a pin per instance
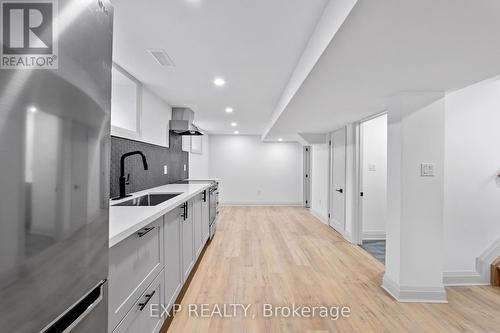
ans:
(151, 199)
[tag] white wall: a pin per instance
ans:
(374, 177)
(415, 204)
(319, 181)
(199, 163)
(256, 173)
(472, 163)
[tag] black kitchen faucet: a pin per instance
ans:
(125, 181)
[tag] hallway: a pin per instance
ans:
(284, 256)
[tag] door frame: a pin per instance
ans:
(358, 221)
(331, 187)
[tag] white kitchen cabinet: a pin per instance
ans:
(133, 264)
(173, 251)
(187, 240)
(136, 112)
(205, 223)
(198, 221)
(139, 319)
(186, 143)
(125, 104)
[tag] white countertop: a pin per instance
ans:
(126, 220)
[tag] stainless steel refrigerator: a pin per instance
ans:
(54, 167)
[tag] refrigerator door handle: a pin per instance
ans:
(76, 313)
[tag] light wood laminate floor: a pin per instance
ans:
(283, 255)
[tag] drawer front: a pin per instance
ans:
(145, 314)
(133, 264)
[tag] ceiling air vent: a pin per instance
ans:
(161, 57)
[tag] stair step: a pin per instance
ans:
(495, 273)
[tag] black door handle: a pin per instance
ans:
(148, 298)
(340, 190)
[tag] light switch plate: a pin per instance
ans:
(427, 170)
(372, 167)
(184, 167)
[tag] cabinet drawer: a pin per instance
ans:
(139, 319)
(133, 264)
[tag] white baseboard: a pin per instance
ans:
(262, 204)
(417, 294)
(374, 235)
(317, 215)
(479, 277)
(453, 279)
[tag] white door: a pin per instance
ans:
(338, 180)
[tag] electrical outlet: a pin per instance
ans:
(165, 169)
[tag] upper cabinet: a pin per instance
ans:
(136, 112)
(197, 144)
(125, 104)
(186, 143)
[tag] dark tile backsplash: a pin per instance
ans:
(156, 156)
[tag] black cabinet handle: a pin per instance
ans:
(183, 214)
(205, 196)
(145, 231)
(186, 208)
(340, 190)
(148, 298)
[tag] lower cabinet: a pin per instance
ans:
(173, 260)
(146, 314)
(150, 267)
(198, 218)
(133, 264)
(187, 241)
(205, 223)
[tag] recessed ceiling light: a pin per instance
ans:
(234, 124)
(280, 139)
(229, 110)
(236, 132)
(32, 109)
(219, 82)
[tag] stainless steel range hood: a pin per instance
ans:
(182, 122)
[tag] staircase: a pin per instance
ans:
(495, 273)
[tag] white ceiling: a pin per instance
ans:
(390, 46)
(253, 44)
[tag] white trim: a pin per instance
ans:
(321, 218)
(416, 294)
(481, 276)
(374, 235)
(463, 279)
(483, 263)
